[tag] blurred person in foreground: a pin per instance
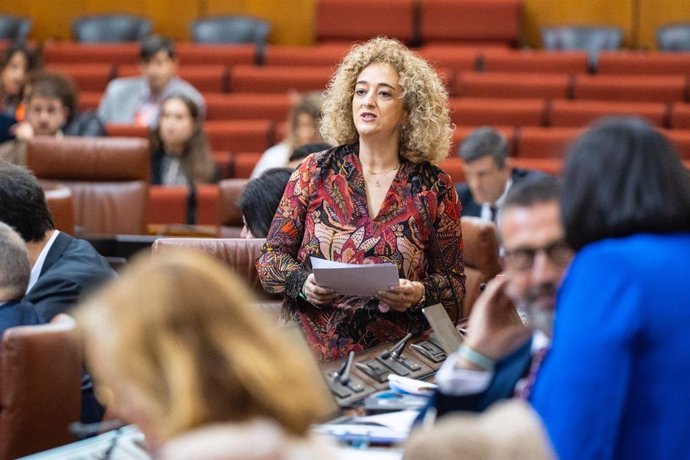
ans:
(376, 198)
(500, 355)
(615, 382)
(178, 350)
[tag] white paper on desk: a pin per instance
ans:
(354, 279)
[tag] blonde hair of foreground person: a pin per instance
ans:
(176, 344)
(425, 133)
(508, 430)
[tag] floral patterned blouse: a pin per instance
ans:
(324, 213)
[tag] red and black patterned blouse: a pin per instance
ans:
(324, 213)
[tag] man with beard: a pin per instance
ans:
(510, 326)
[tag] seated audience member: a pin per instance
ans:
(495, 360)
(62, 267)
(485, 156)
(615, 382)
(136, 100)
(178, 350)
(48, 104)
(15, 270)
(303, 128)
(180, 153)
(302, 152)
(507, 431)
(16, 62)
(260, 199)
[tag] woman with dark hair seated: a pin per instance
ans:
(260, 199)
(615, 383)
(180, 154)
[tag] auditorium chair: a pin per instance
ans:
(497, 112)
(327, 54)
(513, 85)
(206, 78)
(230, 30)
(177, 210)
(633, 88)
(240, 135)
(580, 113)
(71, 52)
(359, 20)
(461, 132)
(247, 106)
(230, 215)
(193, 54)
(470, 21)
(61, 205)
(539, 142)
(110, 28)
(108, 178)
(673, 37)
(40, 386)
(87, 77)
(15, 28)
(480, 251)
(534, 61)
(239, 254)
(680, 116)
(279, 79)
(643, 63)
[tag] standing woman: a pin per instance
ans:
(376, 198)
(180, 154)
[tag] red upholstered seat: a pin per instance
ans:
(456, 57)
(245, 163)
(61, 206)
(537, 61)
(279, 79)
(643, 63)
(193, 54)
(453, 166)
(497, 112)
(126, 130)
(205, 78)
(680, 140)
(461, 132)
(551, 166)
(496, 21)
(89, 100)
(70, 52)
(512, 85)
(680, 116)
(249, 106)
(358, 20)
(240, 135)
(544, 142)
(326, 54)
(638, 88)
(581, 113)
(87, 77)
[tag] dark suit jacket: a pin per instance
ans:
(508, 372)
(72, 266)
(471, 207)
(17, 313)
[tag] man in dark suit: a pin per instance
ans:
(485, 156)
(500, 354)
(62, 267)
(14, 277)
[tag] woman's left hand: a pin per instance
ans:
(402, 297)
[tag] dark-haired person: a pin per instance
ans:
(180, 154)
(16, 62)
(136, 100)
(49, 100)
(303, 151)
(62, 267)
(615, 383)
(260, 199)
(485, 156)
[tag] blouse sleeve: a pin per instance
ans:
(277, 266)
(445, 282)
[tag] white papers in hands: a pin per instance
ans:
(354, 279)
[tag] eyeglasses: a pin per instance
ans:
(522, 258)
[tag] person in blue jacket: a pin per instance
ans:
(615, 384)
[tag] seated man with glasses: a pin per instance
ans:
(509, 329)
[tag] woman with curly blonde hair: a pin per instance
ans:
(376, 198)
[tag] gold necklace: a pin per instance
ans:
(377, 183)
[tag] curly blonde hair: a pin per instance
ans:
(426, 131)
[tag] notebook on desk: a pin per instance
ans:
(448, 335)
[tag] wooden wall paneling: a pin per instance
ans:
(655, 13)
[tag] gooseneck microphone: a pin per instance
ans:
(397, 349)
(342, 375)
(417, 189)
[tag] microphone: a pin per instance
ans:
(397, 349)
(342, 375)
(417, 189)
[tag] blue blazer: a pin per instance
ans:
(17, 313)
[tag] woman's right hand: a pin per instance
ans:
(316, 294)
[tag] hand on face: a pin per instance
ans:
(494, 327)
